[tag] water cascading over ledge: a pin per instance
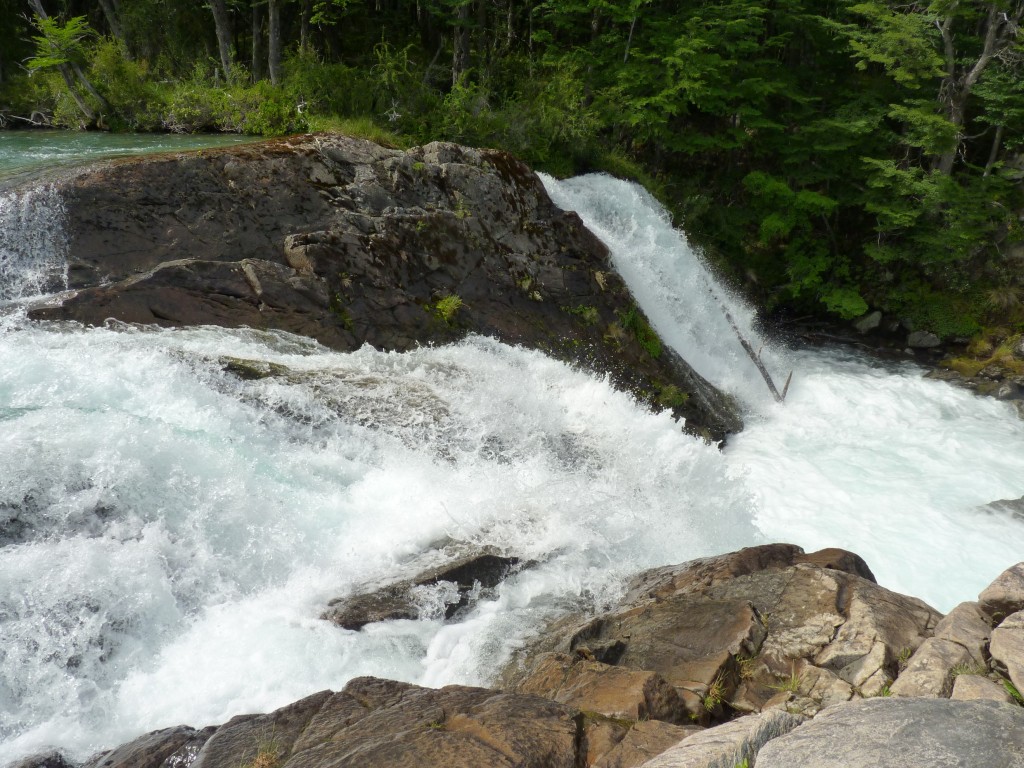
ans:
(350, 243)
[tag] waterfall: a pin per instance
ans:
(688, 307)
(170, 533)
(33, 245)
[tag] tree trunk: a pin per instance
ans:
(460, 43)
(257, 43)
(113, 17)
(993, 154)
(222, 26)
(274, 41)
(307, 12)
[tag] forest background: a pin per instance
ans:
(830, 157)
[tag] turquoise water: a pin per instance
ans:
(24, 152)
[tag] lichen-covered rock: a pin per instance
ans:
(979, 688)
(1007, 647)
(615, 692)
(376, 723)
(727, 745)
(930, 670)
(644, 741)
(903, 733)
(731, 632)
(969, 627)
(1005, 595)
(348, 242)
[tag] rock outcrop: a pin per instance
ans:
(349, 242)
(767, 655)
(756, 629)
(904, 733)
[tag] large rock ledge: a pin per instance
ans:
(351, 243)
(767, 657)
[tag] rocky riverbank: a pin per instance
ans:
(767, 656)
(351, 243)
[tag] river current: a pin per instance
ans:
(169, 533)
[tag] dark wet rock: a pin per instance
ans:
(922, 340)
(349, 243)
(168, 748)
(480, 570)
(903, 733)
(44, 760)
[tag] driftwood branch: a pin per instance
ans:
(756, 357)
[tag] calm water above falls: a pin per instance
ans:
(169, 534)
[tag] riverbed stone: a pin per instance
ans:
(1005, 595)
(922, 340)
(868, 322)
(1007, 647)
(728, 744)
(903, 733)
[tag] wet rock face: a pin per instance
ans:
(466, 578)
(351, 243)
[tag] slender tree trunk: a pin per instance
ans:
(113, 17)
(274, 40)
(993, 154)
(307, 13)
(257, 43)
(460, 43)
(222, 26)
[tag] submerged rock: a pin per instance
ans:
(465, 576)
(348, 242)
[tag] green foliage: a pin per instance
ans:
(636, 324)
(811, 148)
(587, 315)
(135, 100)
(445, 308)
(58, 44)
(1014, 693)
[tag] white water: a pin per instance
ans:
(169, 534)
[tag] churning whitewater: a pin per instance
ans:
(170, 533)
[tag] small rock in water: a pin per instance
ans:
(922, 340)
(868, 322)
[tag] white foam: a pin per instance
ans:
(33, 244)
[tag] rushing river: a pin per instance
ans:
(169, 533)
